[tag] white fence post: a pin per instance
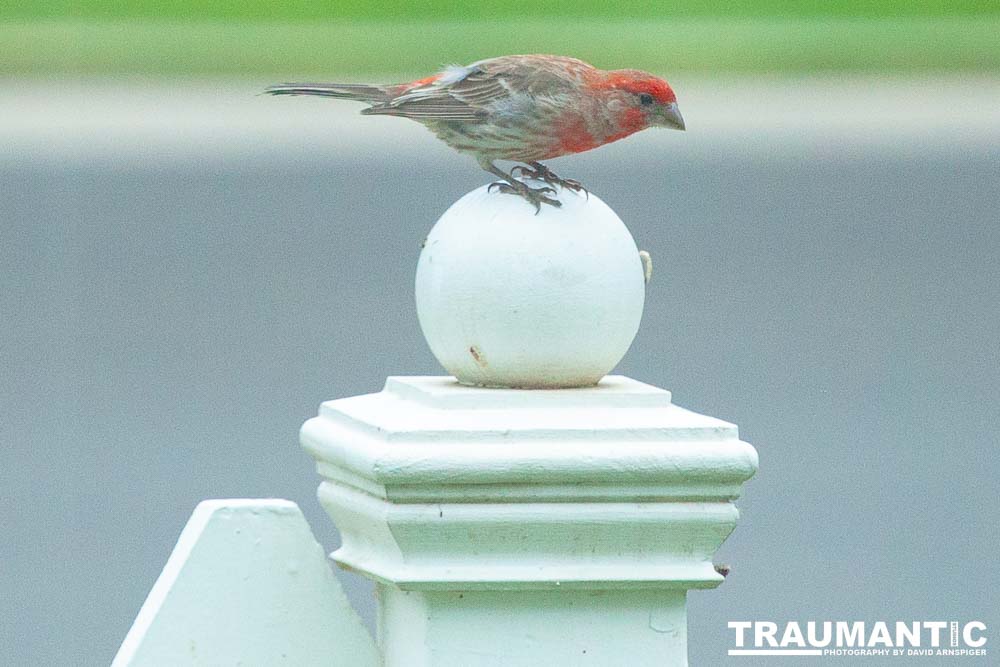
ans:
(516, 527)
(560, 525)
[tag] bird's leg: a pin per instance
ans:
(540, 172)
(511, 185)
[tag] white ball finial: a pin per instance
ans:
(508, 298)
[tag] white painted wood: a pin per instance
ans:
(247, 584)
(603, 628)
(518, 527)
(507, 297)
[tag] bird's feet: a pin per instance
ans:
(535, 196)
(540, 172)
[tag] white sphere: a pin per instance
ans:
(508, 298)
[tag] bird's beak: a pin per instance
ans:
(671, 117)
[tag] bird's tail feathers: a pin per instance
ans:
(363, 92)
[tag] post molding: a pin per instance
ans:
(439, 486)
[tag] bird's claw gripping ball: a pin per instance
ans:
(534, 196)
(540, 172)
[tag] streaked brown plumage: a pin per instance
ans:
(520, 108)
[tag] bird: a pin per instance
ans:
(519, 108)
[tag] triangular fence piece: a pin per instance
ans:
(247, 584)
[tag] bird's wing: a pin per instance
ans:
(459, 93)
(471, 93)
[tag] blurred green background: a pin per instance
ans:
(355, 38)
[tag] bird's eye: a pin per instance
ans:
(645, 99)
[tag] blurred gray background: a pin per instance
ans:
(186, 273)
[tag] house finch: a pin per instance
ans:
(520, 108)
